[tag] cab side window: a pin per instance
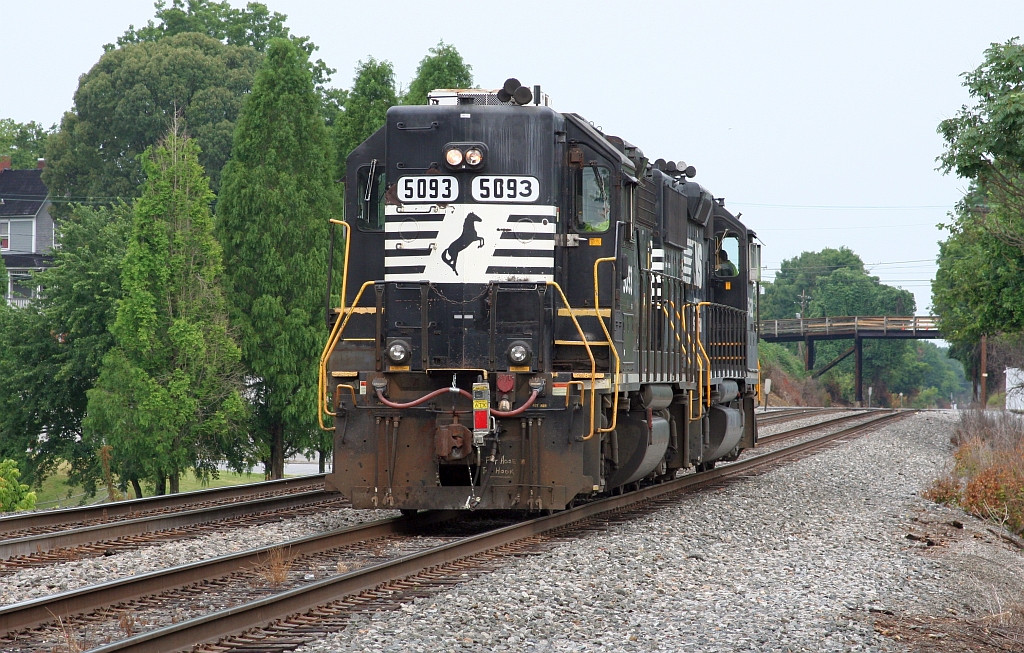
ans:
(727, 256)
(593, 198)
(370, 200)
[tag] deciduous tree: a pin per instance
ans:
(977, 288)
(254, 26)
(275, 202)
(14, 495)
(53, 347)
(796, 283)
(128, 100)
(23, 142)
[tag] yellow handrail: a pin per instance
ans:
(706, 400)
(611, 346)
(332, 342)
(700, 369)
(590, 355)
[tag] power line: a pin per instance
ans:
(849, 207)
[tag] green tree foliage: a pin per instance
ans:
(833, 283)
(277, 197)
(366, 107)
(128, 100)
(53, 347)
(983, 141)
(14, 495)
(795, 285)
(977, 288)
(254, 26)
(442, 68)
(846, 291)
(23, 142)
(168, 397)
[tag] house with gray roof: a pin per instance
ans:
(26, 229)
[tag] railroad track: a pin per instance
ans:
(790, 414)
(34, 523)
(301, 612)
(789, 434)
(106, 538)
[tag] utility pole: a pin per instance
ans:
(984, 371)
(803, 302)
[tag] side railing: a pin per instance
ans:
(924, 325)
(725, 338)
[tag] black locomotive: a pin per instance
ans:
(532, 313)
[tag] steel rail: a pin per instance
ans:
(790, 414)
(240, 618)
(44, 542)
(808, 428)
(27, 614)
(136, 507)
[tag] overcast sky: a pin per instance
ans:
(817, 120)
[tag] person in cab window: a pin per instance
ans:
(725, 266)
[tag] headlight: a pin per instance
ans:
(453, 157)
(474, 157)
(465, 156)
(399, 352)
(519, 353)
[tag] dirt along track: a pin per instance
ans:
(236, 594)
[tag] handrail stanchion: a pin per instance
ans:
(590, 355)
(611, 346)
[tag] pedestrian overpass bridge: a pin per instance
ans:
(856, 328)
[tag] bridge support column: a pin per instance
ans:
(808, 354)
(858, 367)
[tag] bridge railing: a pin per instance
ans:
(817, 326)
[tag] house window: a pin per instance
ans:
(5, 235)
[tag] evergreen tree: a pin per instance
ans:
(366, 107)
(168, 397)
(442, 68)
(275, 202)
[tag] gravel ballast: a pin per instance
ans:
(799, 559)
(807, 557)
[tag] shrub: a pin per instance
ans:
(987, 478)
(14, 495)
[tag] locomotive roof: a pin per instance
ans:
(601, 139)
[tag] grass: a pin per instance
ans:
(56, 493)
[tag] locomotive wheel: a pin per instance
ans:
(705, 467)
(732, 455)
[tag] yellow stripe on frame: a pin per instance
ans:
(583, 312)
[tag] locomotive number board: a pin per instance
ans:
(494, 188)
(485, 188)
(428, 188)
